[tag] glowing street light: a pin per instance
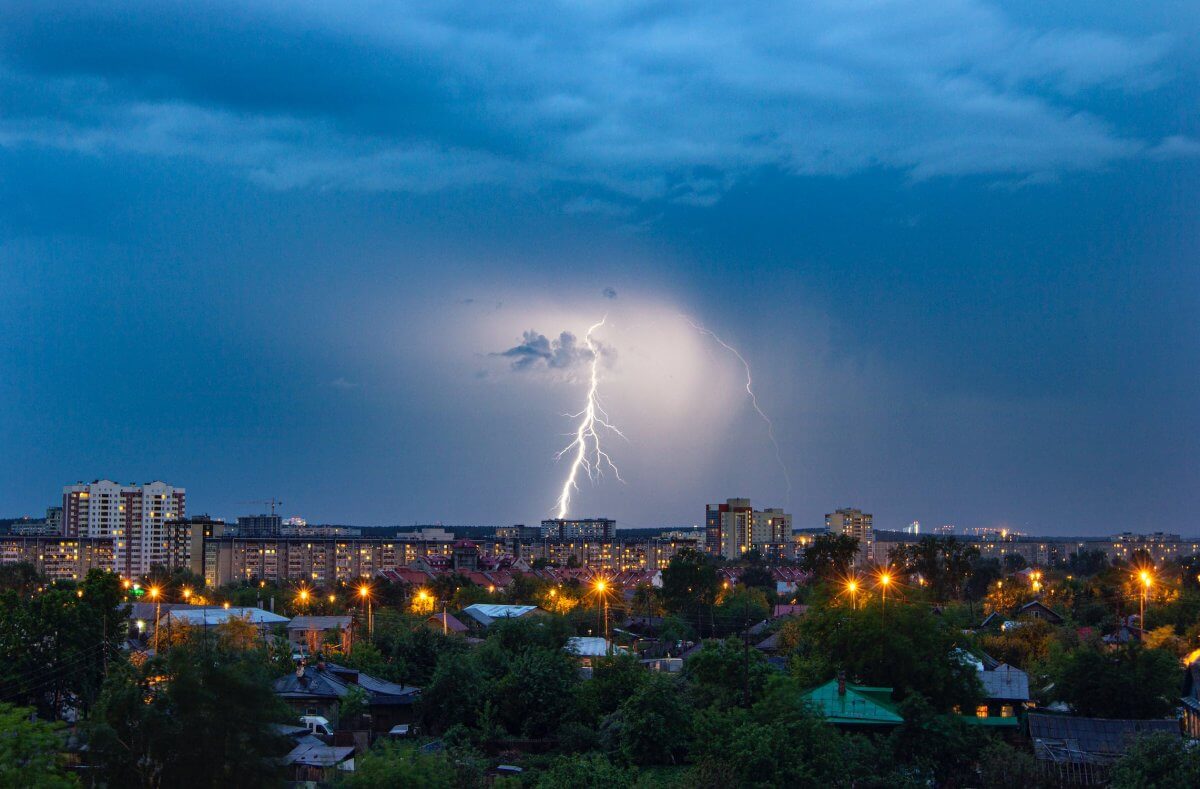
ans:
(852, 588)
(885, 580)
(601, 591)
(302, 597)
(1146, 580)
(156, 596)
(364, 591)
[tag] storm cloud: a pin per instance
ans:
(536, 351)
(615, 104)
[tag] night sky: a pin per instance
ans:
(329, 252)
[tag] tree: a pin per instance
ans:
(537, 693)
(652, 725)
(912, 651)
(691, 587)
(741, 608)
(392, 764)
(54, 644)
(943, 562)
(455, 695)
(776, 743)
(21, 578)
(1002, 766)
(30, 751)
(189, 717)
(613, 680)
(725, 673)
(1133, 682)
(757, 577)
(943, 747)
(1157, 760)
(831, 555)
(589, 771)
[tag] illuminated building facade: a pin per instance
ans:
(134, 517)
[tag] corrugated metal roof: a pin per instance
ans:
(217, 616)
(319, 623)
(859, 705)
(1005, 682)
(1067, 738)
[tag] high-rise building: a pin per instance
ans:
(579, 528)
(857, 524)
(735, 527)
(186, 538)
(259, 525)
(133, 516)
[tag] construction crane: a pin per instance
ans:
(271, 502)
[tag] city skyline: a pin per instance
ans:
(956, 245)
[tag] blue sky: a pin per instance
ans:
(281, 251)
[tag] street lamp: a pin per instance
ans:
(852, 588)
(885, 580)
(601, 590)
(364, 592)
(302, 597)
(156, 596)
(1147, 579)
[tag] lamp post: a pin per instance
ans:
(885, 579)
(1146, 579)
(156, 596)
(601, 589)
(852, 588)
(364, 591)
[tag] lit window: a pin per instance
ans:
(981, 711)
(1006, 711)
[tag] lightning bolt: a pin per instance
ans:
(753, 399)
(586, 446)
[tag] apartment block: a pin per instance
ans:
(134, 517)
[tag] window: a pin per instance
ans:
(981, 711)
(1006, 711)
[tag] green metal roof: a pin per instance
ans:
(995, 721)
(860, 705)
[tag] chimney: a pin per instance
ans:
(272, 604)
(841, 683)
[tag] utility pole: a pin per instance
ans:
(745, 651)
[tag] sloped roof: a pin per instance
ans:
(860, 705)
(318, 754)
(334, 681)
(212, 615)
(785, 609)
(319, 623)
(486, 613)
(1065, 738)
(769, 644)
(1005, 682)
(591, 646)
(450, 622)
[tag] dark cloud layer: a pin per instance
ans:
(622, 102)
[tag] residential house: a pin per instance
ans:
(1080, 751)
(484, 614)
(1191, 697)
(309, 634)
(211, 616)
(1007, 694)
(446, 623)
(320, 689)
(854, 706)
(1036, 609)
